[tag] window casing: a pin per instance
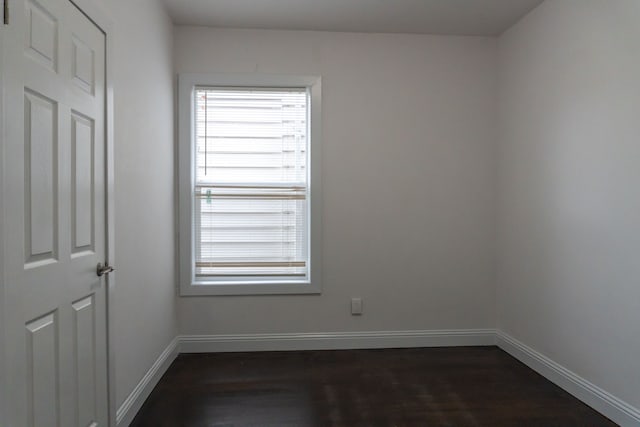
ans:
(249, 172)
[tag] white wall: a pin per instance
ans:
(408, 179)
(569, 204)
(145, 307)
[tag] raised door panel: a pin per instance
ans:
(82, 183)
(84, 338)
(43, 400)
(41, 34)
(41, 176)
(83, 65)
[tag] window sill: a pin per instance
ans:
(213, 289)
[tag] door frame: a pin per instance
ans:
(104, 22)
(3, 365)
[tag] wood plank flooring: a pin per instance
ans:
(461, 386)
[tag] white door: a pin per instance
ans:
(54, 216)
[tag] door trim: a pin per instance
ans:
(3, 322)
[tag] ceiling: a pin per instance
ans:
(450, 17)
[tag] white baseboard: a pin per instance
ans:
(335, 340)
(286, 342)
(599, 399)
(132, 404)
(594, 396)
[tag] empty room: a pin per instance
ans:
(319, 213)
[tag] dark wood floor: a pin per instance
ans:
(462, 386)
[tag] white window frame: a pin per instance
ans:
(186, 180)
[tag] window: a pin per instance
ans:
(249, 184)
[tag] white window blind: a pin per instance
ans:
(251, 184)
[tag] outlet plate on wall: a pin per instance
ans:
(356, 306)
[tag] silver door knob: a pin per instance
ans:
(101, 270)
